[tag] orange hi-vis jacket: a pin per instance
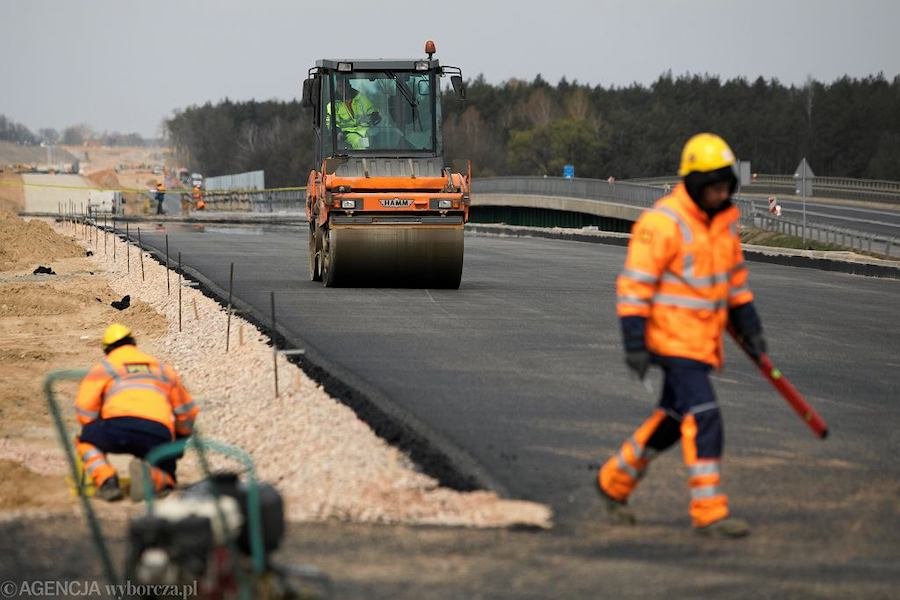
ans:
(130, 383)
(683, 272)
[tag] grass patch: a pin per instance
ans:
(761, 237)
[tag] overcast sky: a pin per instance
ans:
(125, 65)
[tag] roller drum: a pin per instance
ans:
(394, 255)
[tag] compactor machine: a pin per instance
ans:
(383, 207)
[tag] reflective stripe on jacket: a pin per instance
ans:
(130, 383)
(682, 273)
(354, 118)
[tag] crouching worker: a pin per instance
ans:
(130, 403)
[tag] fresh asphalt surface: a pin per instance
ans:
(520, 370)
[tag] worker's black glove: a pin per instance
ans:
(374, 118)
(638, 361)
(745, 321)
(755, 345)
(636, 355)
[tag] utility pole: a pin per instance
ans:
(803, 177)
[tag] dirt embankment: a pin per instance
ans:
(326, 463)
(131, 166)
(18, 154)
(12, 194)
(47, 322)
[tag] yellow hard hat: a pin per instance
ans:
(114, 333)
(703, 153)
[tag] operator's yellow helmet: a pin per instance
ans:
(115, 333)
(703, 153)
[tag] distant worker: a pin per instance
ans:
(197, 196)
(684, 280)
(354, 115)
(160, 197)
(130, 403)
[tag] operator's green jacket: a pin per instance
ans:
(354, 120)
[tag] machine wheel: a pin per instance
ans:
(327, 260)
(315, 253)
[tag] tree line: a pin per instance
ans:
(849, 127)
(74, 135)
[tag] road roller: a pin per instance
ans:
(383, 207)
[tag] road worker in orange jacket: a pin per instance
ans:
(160, 197)
(130, 403)
(197, 197)
(684, 280)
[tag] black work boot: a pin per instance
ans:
(729, 527)
(109, 490)
(617, 511)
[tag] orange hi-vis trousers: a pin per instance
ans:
(687, 411)
(95, 463)
(124, 435)
(99, 469)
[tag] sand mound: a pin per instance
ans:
(22, 488)
(30, 243)
(29, 299)
(107, 180)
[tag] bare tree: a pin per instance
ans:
(538, 109)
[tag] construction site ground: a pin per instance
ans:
(359, 509)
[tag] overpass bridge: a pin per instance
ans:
(862, 225)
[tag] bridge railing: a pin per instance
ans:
(631, 194)
(594, 189)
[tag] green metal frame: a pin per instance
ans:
(66, 443)
(254, 516)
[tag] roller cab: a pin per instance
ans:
(382, 206)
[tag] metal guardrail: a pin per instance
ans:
(257, 201)
(844, 183)
(877, 190)
(826, 234)
(250, 180)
